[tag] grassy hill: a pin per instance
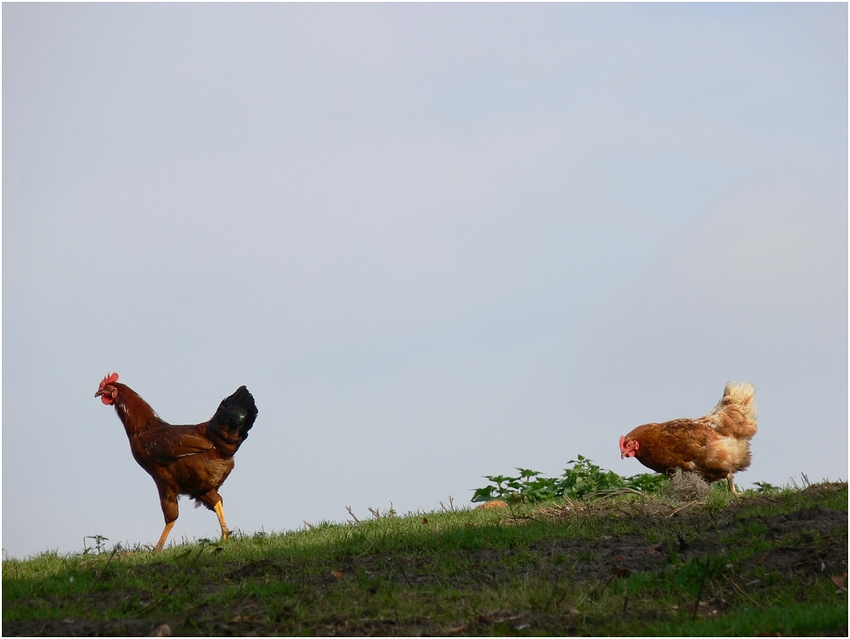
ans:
(618, 563)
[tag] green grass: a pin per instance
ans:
(630, 564)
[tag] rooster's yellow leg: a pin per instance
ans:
(731, 484)
(164, 536)
(219, 510)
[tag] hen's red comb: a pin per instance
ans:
(108, 380)
(628, 448)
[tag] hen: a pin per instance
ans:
(714, 446)
(183, 460)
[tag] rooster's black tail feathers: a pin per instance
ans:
(234, 418)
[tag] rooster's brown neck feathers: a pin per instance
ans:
(135, 413)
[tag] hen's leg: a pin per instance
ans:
(213, 501)
(731, 483)
(171, 512)
(164, 535)
(219, 510)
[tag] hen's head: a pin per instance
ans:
(107, 391)
(628, 448)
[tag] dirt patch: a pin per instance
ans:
(256, 569)
(809, 520)
(85, 628)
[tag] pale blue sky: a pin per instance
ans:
(435, 241)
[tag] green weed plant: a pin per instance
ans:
(581, 479)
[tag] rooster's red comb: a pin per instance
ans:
(108, 380)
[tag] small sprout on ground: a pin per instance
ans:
(353, 516)
(99, 544)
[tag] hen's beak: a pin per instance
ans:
(98, 393)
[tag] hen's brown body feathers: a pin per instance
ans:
(716, 446)
(183, 460)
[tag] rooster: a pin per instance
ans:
(183, 460)
(714, 446)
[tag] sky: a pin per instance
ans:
(436, 242)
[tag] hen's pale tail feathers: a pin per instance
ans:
(735, 413)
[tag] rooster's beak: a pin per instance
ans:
(98, 393)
